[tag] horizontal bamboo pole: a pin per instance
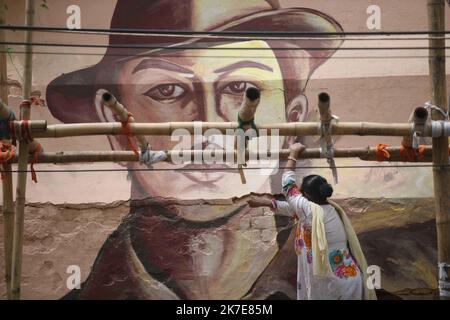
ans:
(368, 154)
(35, 126)
(167, 128)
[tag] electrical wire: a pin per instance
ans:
(156, 33)
(224, 169)
(234, 34)
(219, 56)
(186, 47)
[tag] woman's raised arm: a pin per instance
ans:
(297, 203)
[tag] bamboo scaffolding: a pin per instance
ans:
(367, 154)
(23, 159)
(326, 140)
(7, 184)
(419, 118)
(167, 128)
(441, 171)
(249, 105)
(246, 115)
(324, 108)
(122, 113)
(39, 129)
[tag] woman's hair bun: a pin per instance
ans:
(326, 190)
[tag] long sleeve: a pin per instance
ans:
(282, 208)
(299, 204)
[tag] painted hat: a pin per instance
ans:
(70, 97)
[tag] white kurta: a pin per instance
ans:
(346, 282)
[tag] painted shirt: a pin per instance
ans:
(346, 280)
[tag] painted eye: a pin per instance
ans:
(237, 88)
(166, 92)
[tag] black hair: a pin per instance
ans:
(317, 188)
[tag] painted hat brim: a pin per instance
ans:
(70, 97)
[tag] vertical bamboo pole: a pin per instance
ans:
(441, 171)
(23, 159)
(122, 113)
(7, 185)
(419, 117)
(325, 117)
(246, 113)
(326, 141)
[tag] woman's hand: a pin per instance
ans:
(296, 149)
(260, 201)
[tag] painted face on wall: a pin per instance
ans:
(200, 85)
(224, 257)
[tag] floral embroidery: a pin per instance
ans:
(307, 236)
(343, 264)
(309, 256)
(337, 259)
(298, 242)
(293, 191)
(302, 240)
(289, 186)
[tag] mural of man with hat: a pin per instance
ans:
(167, 248)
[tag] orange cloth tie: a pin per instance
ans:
(407, 153)
(126, 131)
(6, 154)
(34, 160)
(420, 152)
(410, 154)
(26, 134)
(381, 153)
(35, 101)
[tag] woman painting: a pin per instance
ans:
(330, 264)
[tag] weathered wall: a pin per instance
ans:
(188, 246)
(60, 235)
